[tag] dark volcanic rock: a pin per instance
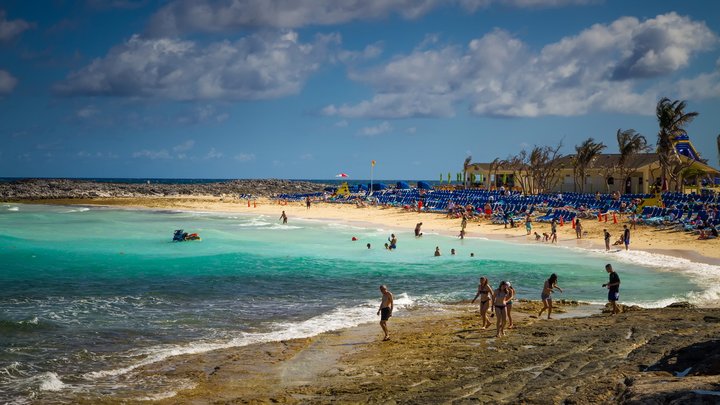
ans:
(41, 189)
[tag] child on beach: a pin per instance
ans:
(545, 296)
(486, 296)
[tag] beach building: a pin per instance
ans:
(640, 174)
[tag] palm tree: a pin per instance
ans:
(672, 120)
(586, 152)
(630, 143)
(466, 164)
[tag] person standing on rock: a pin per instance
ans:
(385, 311)
(613, 288)
(546, 295)
(500, 302)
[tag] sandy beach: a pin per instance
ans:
(639, 356)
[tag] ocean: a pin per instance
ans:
(89, 295)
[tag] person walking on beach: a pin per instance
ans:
(578, 229)
(417, 230)
(500, 303)
(528, 224)
(546, 295)
(283, 216)
(613, 287)
(307, 202)
(385, 311)
(508, 306)
(463, 223)
(626, 237)
(553, 231)
(606, 235)
(486, 296)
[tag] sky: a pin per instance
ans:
(307, 89)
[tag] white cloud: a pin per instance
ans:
(379, 129)
(187, 16)
(202, 114)
(149, 154)
(411, 130)
(259, 66)
(96, 155)
(602, 68)
(245, 157)
(7, 83)
(213, 154)
(11, 29)
(342, 124)
(87, 112)
(185, 146)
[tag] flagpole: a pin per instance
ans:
(372, 166)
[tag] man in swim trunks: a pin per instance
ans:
(417, 230)
(393, 241)
(385, 311)
(613, 288)
(626, 237)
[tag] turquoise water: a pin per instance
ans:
(90, 294)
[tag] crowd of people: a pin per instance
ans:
(498, 302)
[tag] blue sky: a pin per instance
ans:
(311, 88)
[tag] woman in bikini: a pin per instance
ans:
(508, 306)
(500, 303)
(548, 288)
(486, 295)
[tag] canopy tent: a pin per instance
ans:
(402, 185)
(423, 185)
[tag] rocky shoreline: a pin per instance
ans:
(44, 189)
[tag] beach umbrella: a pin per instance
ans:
(341, 175)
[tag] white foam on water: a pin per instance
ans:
(283, 226)
(50, 382)
(80, 209)
(14, 209)
(702, 274)
(336, 319)
(255, 222)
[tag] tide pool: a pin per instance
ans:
(90, 294)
